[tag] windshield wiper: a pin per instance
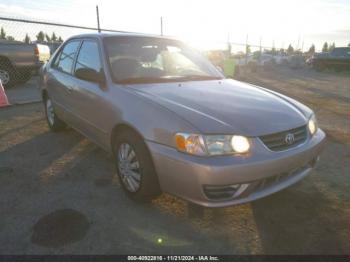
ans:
(198, 77)
(164, 79)
(144, 80)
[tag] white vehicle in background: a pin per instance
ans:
(263, 60)
(281, 59)
(253, 61)
(296, 61)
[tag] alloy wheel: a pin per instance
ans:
(50, 112)
(129, 167)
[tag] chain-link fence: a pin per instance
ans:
(26, 44)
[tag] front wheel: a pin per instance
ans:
(53, 121)
(135, 167)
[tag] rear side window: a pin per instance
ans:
(64, 61)
(89, 56)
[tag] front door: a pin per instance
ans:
(90, 104)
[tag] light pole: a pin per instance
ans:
(98, 19)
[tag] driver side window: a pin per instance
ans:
(89, 56)
(65, 59)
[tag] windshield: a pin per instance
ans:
(135, 59)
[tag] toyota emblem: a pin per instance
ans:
(289, 139)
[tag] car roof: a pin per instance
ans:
(342, 48)
(107, 35)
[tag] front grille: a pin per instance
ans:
(272, 180)
(269, 181)
(277, 141)
(220, 192)
(228, 192)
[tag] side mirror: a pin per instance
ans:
(90, 75)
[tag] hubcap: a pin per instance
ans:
(129, 167)
(4, 76)
(50, 112)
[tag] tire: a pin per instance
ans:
(7, 74)
(55, 124)
(136, 175)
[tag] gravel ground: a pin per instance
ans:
(59, 193)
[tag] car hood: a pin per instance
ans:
(225, 106)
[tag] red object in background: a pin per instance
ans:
(3, 98)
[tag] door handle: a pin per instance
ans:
(69, 89)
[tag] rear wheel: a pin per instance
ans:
(135, 168)
(53, 121)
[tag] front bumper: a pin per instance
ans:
(187, 176)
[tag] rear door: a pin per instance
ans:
(60, 80)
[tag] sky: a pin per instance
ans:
(205, 23)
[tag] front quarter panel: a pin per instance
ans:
(152, 121)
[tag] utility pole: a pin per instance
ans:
(98, 19)
(246, 50)
(228, 44)
(161, 25)
(298, 42)
(260, 50)
(302, 46)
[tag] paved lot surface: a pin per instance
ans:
(24, 93)
(59, 193)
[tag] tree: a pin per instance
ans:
(2, 33)
(40, 36)
(290, 49)
(60, 39)
(48, 39)
(247, 49)
(10, 38)
(273, 51)
(53, 37)
(325, 47)
(311, 49)
(27, 39)
(331, 47)
(349, 45)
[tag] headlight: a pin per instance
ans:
(190, 143)
(312, 125)
(212, 144)
(240, 144)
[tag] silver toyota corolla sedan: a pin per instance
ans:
(174, 123)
